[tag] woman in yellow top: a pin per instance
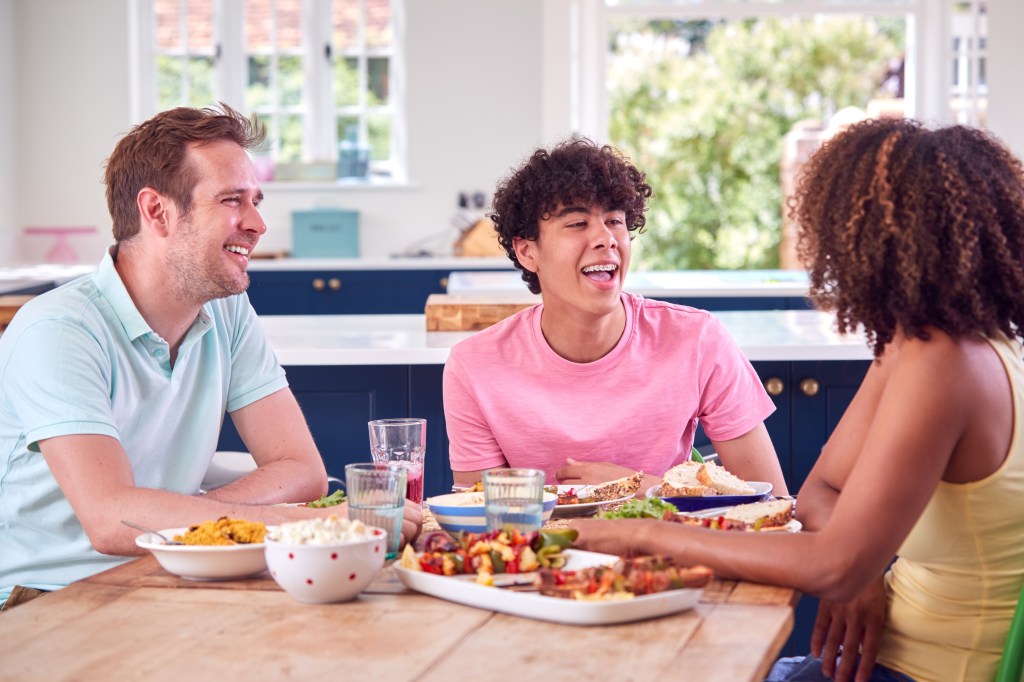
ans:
(917, 236)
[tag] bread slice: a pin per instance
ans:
(681, 481)
(620, 487)
(721, 481)
(761, 515)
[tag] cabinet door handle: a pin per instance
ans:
(810, 387)
(318, 284)
(443, 282)
(334, 283)
(774, 386)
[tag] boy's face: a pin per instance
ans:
(581, 256)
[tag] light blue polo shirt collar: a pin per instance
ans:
(108, 282)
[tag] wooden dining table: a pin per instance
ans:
(138, 622)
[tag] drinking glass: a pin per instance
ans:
(376, 496)
(402, 440)
(514, 497)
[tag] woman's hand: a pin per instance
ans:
(578, 472)
(857, 626)
(624, 537)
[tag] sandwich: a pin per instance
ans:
(699, 479)
(756, 516)
(617, 489)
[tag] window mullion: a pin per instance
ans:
(230, 65)
(319, 130)
(142, 69)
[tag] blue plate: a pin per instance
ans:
(763, 491)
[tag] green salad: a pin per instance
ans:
(337, 497)
(648, 508)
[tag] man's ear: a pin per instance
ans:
(526, 250)
(154, 210)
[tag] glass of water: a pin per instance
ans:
(514, 497)
(402, 440)
(376, 496)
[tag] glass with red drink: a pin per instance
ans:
(402, 440)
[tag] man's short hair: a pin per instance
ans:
(154, 154)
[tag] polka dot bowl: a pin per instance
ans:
(325, 574)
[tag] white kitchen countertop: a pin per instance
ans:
(656, 283)
(785, 335)
(425, 263)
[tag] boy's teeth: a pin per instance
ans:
(599, 268)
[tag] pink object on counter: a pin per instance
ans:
(61, 252)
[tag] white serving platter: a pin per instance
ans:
(463, 590)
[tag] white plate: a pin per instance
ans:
(463, 590)
(584, 508)
(205, 562)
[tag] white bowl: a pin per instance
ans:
(204, 562)
(465, 511)
(324, 574)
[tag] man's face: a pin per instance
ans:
(209, 248)
(580, 256)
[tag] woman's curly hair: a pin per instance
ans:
(903, 227)
(573, 171)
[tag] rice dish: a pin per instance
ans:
(224, 531)
(329, 531)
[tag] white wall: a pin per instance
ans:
(1005, 84)
(8, 126)
(473, 99)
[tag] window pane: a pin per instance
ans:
(200, 26)
(258, 25)
(291, 79)
(379, 131)
(257, 89)
(378, 23)
(168, 25)
(168, 77)
(377, 80)
(346, 24)
(346, 82)
(289, 25)
(704, 107)
(200, 79)
(290, 138)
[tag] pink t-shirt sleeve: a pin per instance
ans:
(732, 399)
(471, 442)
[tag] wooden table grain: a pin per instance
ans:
(137, 622)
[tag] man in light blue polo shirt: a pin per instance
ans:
(115, 385)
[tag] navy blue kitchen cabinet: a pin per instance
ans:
(722, 303)
(343, 292)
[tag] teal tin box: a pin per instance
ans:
(325, 233)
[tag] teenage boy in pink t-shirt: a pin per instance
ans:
(595, 383)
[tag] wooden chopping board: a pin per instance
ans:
(473, 312)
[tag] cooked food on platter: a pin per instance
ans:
(756, 516)
(484, 554)
(699, 479)
(224, 531)
(625, 579)
(572, 494)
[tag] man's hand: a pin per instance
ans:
(857, 626)
(412, 521)
(576, 472)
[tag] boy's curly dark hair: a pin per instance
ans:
(573, 171)
(907, 227)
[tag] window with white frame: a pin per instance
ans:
(718, 99)
(323, 75)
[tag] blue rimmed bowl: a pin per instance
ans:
(465, 511)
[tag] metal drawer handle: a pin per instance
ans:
(774, 386)
(443, 282)
(334, 283)
(318, 284)
(810, 387)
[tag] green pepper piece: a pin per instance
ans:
(497, 561)
(560, 537)
(696, 456)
